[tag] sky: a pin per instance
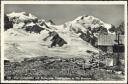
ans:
(112, 14)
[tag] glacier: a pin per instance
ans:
(20, 44)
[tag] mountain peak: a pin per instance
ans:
(86, 21)
(22, 16)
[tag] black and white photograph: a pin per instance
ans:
(63, 41)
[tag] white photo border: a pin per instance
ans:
(61, 2)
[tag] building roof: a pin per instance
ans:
(109, 40)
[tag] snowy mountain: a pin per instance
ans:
(83, 23)
(85, 27)
(22, 16)
(36, 37)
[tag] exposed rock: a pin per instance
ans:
(56, 39)
(7, 24)
(35, 28)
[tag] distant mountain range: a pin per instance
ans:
(86, 27)
(78, 35)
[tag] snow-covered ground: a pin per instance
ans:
(19, 46)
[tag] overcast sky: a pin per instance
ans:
(113, 14)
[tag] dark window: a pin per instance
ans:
(118, 48)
